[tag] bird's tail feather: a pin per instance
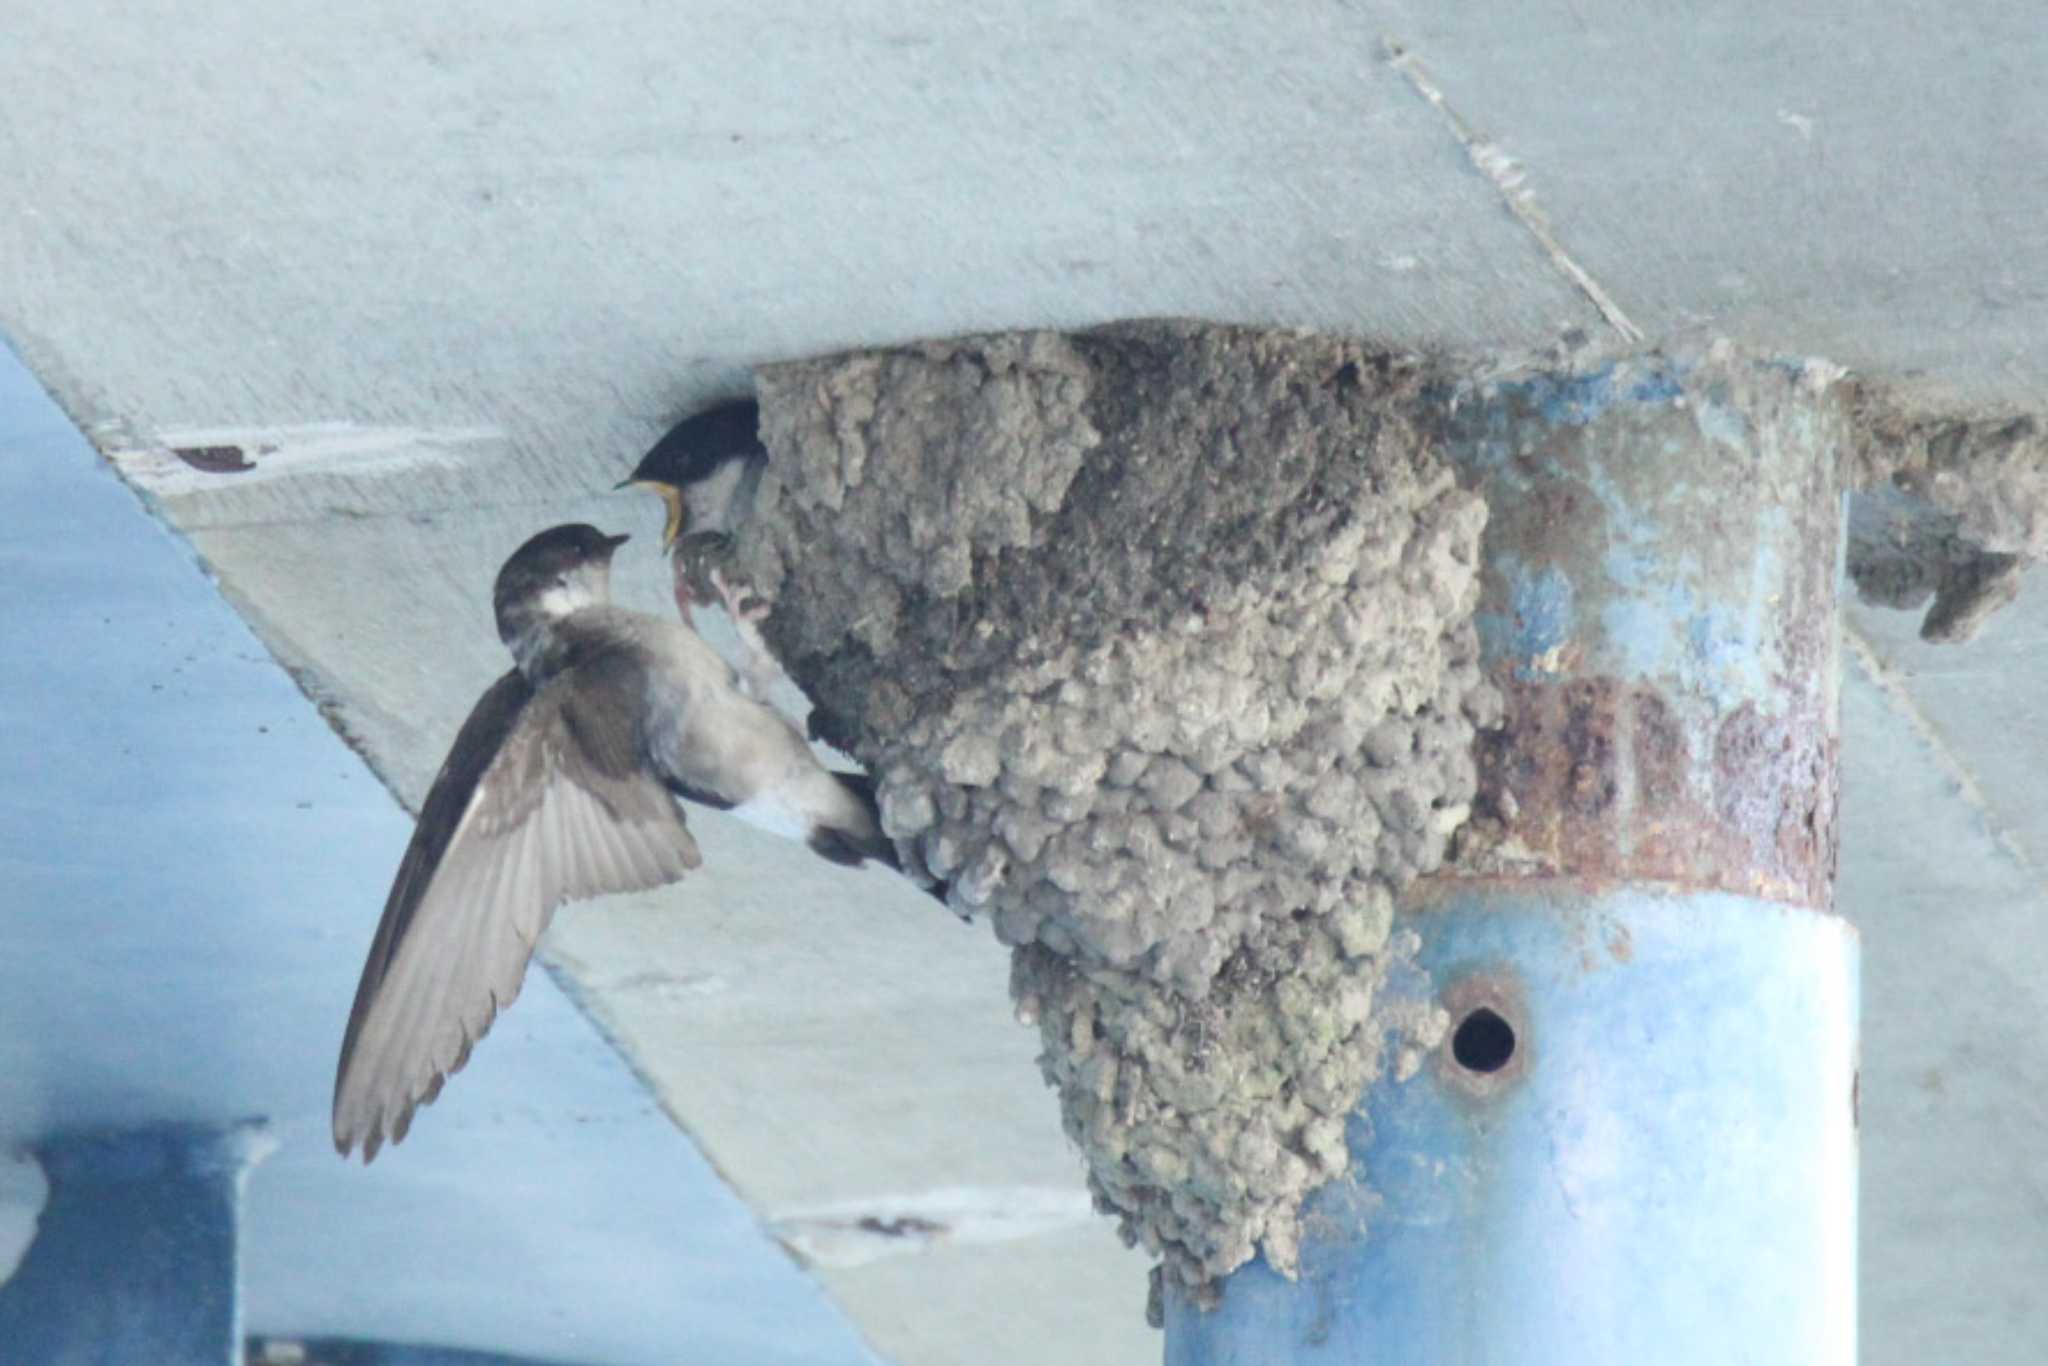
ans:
(854, 848)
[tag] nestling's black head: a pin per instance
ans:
(691, 458)
(556, 572)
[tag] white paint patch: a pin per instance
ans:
(855, 1232)
(224, 457)
(1817, 376)
(1798, 123)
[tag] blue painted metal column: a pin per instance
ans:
(134, 1258)
(1637, 1141)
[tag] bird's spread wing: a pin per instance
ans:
(544, 799)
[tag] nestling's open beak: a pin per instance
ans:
(672, 497)
(678, 515)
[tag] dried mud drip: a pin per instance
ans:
(1161, 654)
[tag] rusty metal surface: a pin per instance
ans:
(1658, 611)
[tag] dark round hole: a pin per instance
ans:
(1484, 1042)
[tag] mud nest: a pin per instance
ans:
(1161, 653)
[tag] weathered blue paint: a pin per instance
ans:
(1709, 650)
(135, 1256)
(1574, 400)
(1539, 618)
(1672, 1179)
(1659, 610)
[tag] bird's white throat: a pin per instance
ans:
(569, 595)
(538, 616)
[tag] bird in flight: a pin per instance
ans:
(563, 784)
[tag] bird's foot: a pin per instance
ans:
(742, 613)
(696, 554)
(686, 597)
(761, 669)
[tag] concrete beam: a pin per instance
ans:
(136, 1257)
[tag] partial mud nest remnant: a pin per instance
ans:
(1954, 507)
(1162, 655)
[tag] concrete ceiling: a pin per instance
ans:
(503, 244)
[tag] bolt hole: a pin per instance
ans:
(1484, 1042)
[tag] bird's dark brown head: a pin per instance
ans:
(557, 572)
(693, 452)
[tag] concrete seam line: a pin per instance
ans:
(1951, 764)
(1491, 160)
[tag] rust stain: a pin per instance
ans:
(1775, 780)
(1661, 756)
(1702, 752)
(1588, 734)
(1597, 778)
